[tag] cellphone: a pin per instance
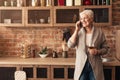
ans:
(91, 47)
(80, 24)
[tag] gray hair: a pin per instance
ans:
(89, 13)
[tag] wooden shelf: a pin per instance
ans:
(12, 16)
(55, 12)
(34, 14)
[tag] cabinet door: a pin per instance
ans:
(11, 16)
(102, 15)
(43, 72)
(62, 72)
(66, 16)
(117, 73)
(39, 16)
(58, 73)
(70, 71)
(7, 73)
(37, 72)
(29, 72)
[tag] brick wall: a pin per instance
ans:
(116, 12)
(11, 38)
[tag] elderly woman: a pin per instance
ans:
(90, 44)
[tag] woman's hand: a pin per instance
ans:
(92, 51)
(78, 25)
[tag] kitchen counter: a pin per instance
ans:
(17, 61)
(37, 61)
(47, 61)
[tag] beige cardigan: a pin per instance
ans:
(98, 40)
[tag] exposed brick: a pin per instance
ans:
(11, 38)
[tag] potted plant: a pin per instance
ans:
(43, 53)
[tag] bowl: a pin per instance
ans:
(42, 20)
(43, 55)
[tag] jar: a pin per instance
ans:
(107, 2)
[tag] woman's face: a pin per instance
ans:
(86, 20)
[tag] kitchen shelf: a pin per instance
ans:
(54, 15)
(66, 16)
(102, 15)
(11, 16)
(38, 16)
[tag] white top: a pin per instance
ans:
(88, 39)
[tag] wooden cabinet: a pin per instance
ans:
(7, 73)
(66, 16)
(11, 16)
(38, 16)
(48, 72)
(62, 72)
(49, 68)
(36, 72)
(53, 13)
(103, 14)
(43, 73)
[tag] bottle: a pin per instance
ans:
(61, 2)
(34, 3)
(42, 2)
(48, 2)
(19, 3)
(33, 53)
(107, 2)
(69, 2)
(87, 2)
(77, 2)
(12, 3)
(5, 3)
(54, 54)
(94, 2)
